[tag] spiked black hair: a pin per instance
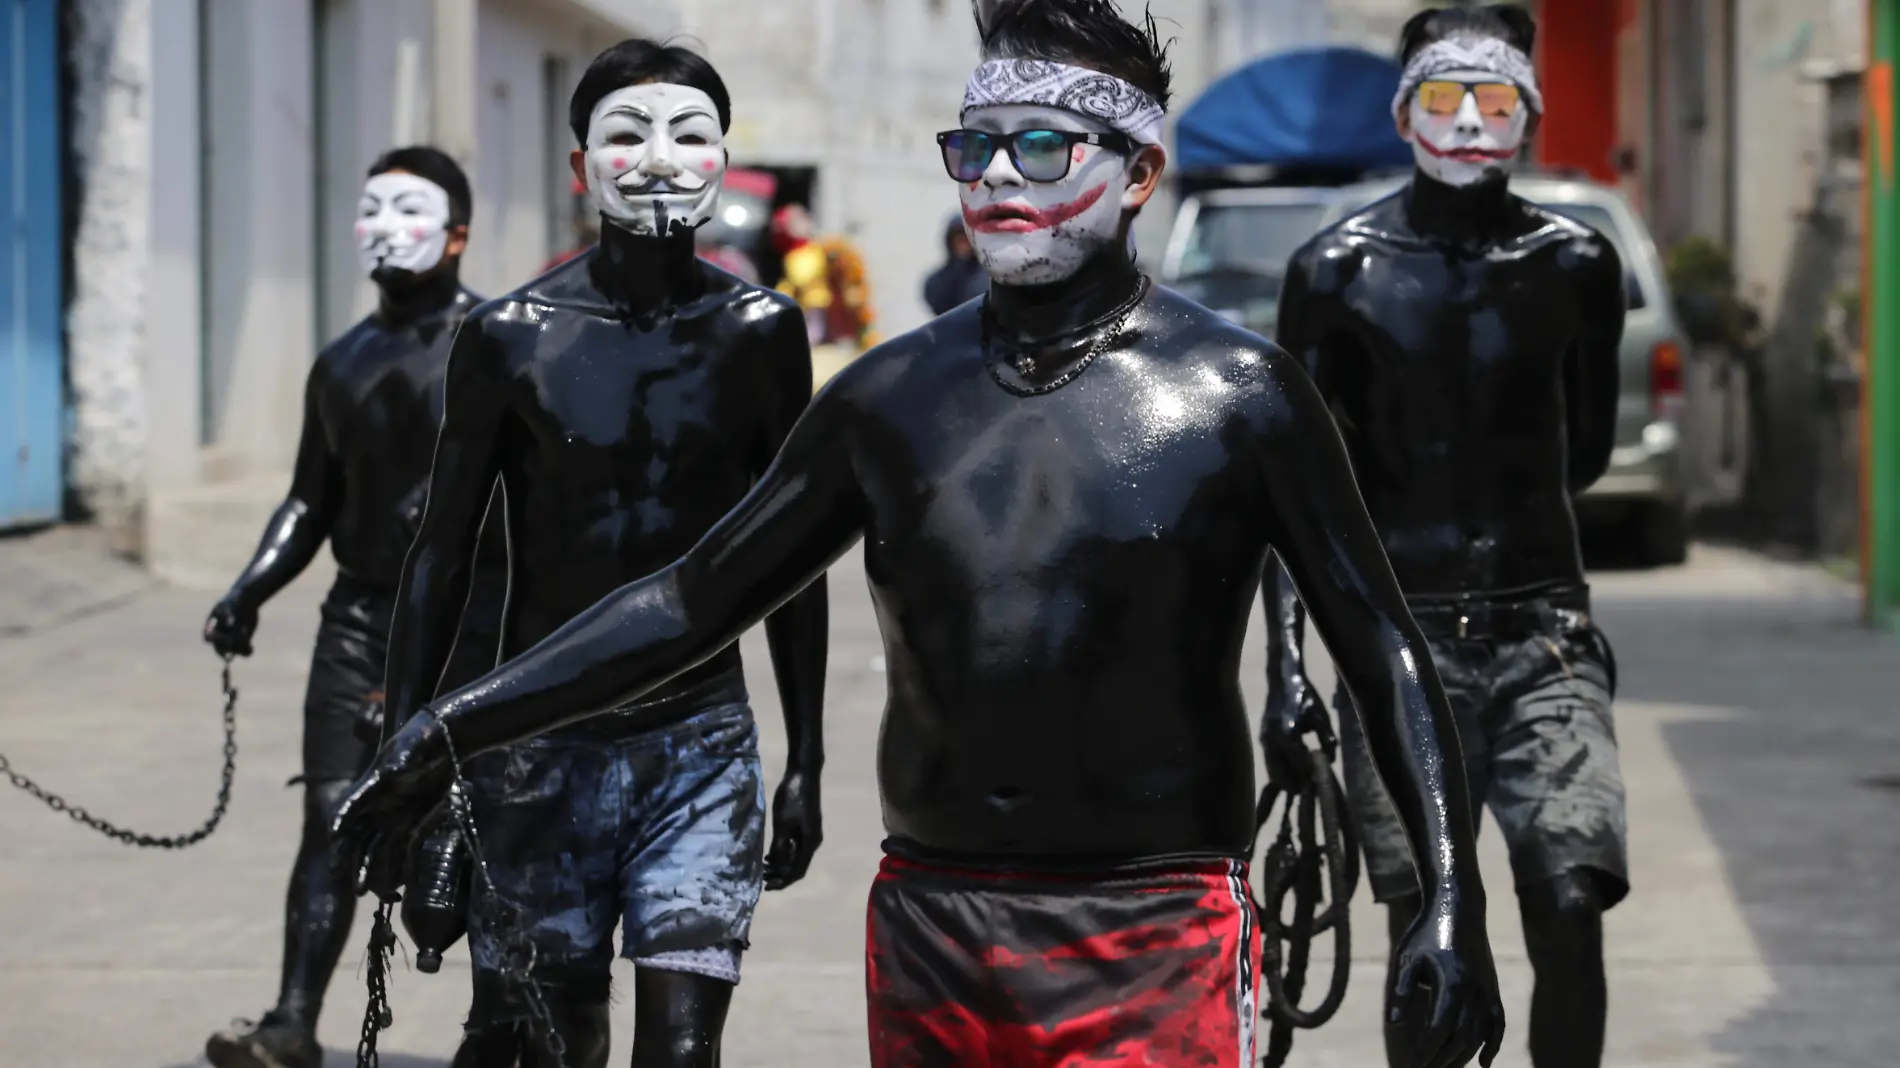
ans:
(1509, 22)
(1080, 33)
(638, 61)
(424, 161)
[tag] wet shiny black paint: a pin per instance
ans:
(1063, 581)
(1466, 341)
(371, 404)
(626, 400)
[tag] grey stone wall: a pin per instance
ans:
(110, 63)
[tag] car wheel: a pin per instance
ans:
(1662, 533)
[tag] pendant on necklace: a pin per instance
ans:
(1025, 365)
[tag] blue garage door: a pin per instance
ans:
(31, 358)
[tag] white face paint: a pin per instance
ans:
(1033, 233)
(655, 158)
(1468, 146)
(402, 223)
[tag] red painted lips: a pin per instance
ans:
(1468, 155)
(1022, 219)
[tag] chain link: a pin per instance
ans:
(517, 949)
(134, 838)
(377, 1016)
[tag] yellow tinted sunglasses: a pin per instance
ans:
(1495, 99)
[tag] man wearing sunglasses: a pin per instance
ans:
(1467, 344)
(1066, 491)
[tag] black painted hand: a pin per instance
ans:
(377, 822)
(1294, 713)
(1444, 1002)
(230, 627)
(797, 828)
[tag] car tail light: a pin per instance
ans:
(1665, 380)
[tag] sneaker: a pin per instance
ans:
(276, 1041)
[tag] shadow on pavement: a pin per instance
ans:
(1786, 771)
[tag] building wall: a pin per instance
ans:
(219, 147)
(1779, 135)
(109, 40)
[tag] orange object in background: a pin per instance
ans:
(1577, 73)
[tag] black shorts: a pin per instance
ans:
(348, 663)
(1152, 966)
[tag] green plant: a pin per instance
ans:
(1702, 279)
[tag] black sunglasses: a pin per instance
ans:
(1039, 155)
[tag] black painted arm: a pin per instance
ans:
(801, 516)
(1286, 617)
(798, 633)
(299, 526)
(1592, 366)
(1333, 555)
(437, 571)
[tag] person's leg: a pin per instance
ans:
(539, 813)
(1563, 933)
(691, 874)
(678, 1018)
(318, 910)
(1557, 791)
(345, 669)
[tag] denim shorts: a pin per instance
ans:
(1534, 721)
(661, 833)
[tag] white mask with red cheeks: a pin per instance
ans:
(402, 224)
(1034, 233)
(655, 158)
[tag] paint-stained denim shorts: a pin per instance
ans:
(1539, 742)
(661, 833)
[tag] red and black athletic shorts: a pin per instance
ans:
(1154, 967)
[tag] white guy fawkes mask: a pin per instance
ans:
(655, 158)
(1465, 142)
(402, 224)
(1033, 233)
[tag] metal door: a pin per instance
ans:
(32, 357)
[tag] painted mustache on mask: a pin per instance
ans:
(1022, 219)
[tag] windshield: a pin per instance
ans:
(1250, 238)
(1236, 254)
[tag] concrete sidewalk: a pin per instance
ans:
(1761, 747)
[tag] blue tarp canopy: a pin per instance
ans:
(1322, 107)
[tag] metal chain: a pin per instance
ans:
(517, 950)
(134, 838)
(377, 1017)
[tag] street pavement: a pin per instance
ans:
(1760, 742)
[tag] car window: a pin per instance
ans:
(1255, 239)
(1598, 218)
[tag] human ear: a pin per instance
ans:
(577, 160)
(1144, 174)
(458, 241)
(1403, 120)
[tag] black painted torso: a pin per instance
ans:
(1472, 368)
(376, 399)
(625, 409)
(1063, 582)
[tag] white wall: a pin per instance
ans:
(111, 61)
(1779, 135)
(173, 295)
(260, 173)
